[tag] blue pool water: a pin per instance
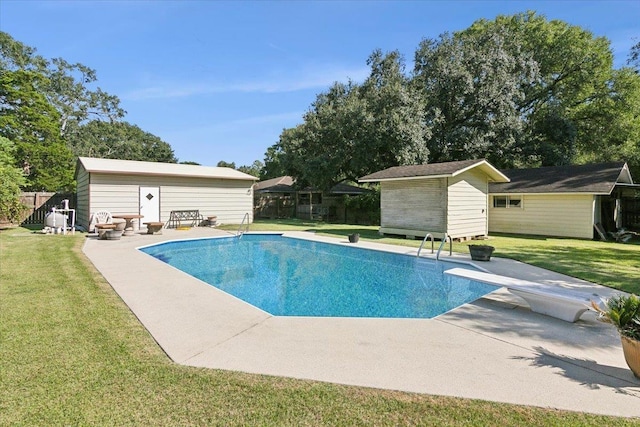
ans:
(294, 277)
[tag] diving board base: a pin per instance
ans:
(561, 303)
(565, 309)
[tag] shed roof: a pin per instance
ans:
(285, 184)
(133, 167)
(281, 184)
(600, 178)
(435, 170)
(342, 188)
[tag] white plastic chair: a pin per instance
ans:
(100, 217)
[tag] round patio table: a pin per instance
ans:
(128, 228)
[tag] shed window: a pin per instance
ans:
(507, 201)
(499, 201)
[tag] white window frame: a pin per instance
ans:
(508, 201)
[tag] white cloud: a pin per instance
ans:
(274, 122)
(269, 118)
(315, 78)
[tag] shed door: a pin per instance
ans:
(150, 204)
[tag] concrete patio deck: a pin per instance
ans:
(492, 349)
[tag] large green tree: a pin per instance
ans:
(224, 164)
(472, 88)
(288, 155)
(573, 93)
(31, 123)
(254, 169)
(69, 87)
(274, 161)
(319, 151)
(634, 57)
(518, 90)
(118, 140)
(11, 181)
(611, 124)
(394, 132)
(352, 130)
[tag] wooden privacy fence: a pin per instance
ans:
(39, 204)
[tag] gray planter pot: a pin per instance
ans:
(481, 252)
(353, 238)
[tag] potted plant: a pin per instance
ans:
(353, 238)
(481, 252)
(623, 311)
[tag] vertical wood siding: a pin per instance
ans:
(228, 199)
(562, 215)
(83, 214)
(467, 205)
(39, 204)
(417, 204)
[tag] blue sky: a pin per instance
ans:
(220, 80)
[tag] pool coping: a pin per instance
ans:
(493, 349)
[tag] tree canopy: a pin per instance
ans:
(253, 169)
(520, 91)
(224, 164)
(118, 140)
(30, 122)
(472, 89)
(11, 180)
(352, 130)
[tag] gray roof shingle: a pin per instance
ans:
(598, 178)
(281, 184)
(430, 169)
(286, 184)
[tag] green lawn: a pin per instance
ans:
(611, 264)
(71, 353)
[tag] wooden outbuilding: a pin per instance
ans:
(436, 198)
(154, 190)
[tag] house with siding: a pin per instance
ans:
(565, 201)
(436, 198)
(155, 189)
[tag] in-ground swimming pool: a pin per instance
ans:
(294, 277)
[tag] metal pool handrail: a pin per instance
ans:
(444, 240)
(239, 233)
(423, 241)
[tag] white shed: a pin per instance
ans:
(155, 189)
(436, 198)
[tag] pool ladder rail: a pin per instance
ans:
(444, 240)
(240, 232)
(423, 242)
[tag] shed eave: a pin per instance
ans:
(137, 173)
(549, 193)
(406, 178)
(627, 174)
(94, 165)
(494, 174)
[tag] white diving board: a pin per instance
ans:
(561, 303)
